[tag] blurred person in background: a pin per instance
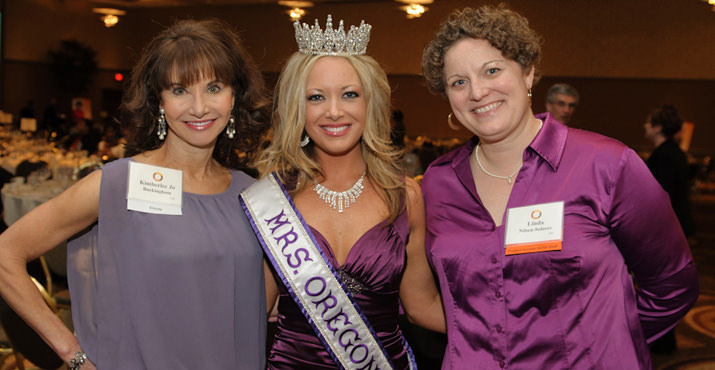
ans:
(669, 165)
(562, 101)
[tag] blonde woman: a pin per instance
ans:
(348, 227)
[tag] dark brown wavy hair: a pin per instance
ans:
(190, 50)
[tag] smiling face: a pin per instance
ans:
(335, 107)
(487, 92)
(197, 114)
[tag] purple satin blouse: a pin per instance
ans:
(571, 309)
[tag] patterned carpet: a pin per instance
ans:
(696, 333)
(696, 340)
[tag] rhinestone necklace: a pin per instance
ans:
(507, 178)
(340, 199)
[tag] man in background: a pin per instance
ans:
(561, 102)
(668, 163)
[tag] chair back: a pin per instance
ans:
(85, 169)
(26, 167)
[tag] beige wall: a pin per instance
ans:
(628, 55)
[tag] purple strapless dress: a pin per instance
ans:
(372, 271)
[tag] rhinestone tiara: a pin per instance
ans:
(312, 40)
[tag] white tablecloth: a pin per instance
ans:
(19, 199)
(16, 147)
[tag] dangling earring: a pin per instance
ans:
(450, 123)
(305, 141)
(161, 128)
(231, 127)
(529, 95)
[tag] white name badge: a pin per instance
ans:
(154, 189)
(534, 228)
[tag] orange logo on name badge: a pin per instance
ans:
(536, 214)
(158, 176)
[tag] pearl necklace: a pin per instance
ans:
(507, 178)
(340, 199)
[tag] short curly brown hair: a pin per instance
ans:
(503, 28)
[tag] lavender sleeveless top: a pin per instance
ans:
(169, 292)
(372, 272)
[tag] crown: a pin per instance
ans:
(312, 40)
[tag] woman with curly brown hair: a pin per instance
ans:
(534, 228)
(169, 274)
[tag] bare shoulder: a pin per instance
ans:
(82, 196)
(88, 184)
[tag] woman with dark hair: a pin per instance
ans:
(168, 274)
(534, 228)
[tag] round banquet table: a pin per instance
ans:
(19, 198)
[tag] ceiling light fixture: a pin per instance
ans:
(414, 8)
(110, 16)
(296, 14)
(296, 11)
(711, 3)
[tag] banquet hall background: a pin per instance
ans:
(624, 58)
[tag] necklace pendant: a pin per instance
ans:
(507, 178)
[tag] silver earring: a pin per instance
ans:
(161, 129)
(304, 141)
(231, 127)
(529, 94)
